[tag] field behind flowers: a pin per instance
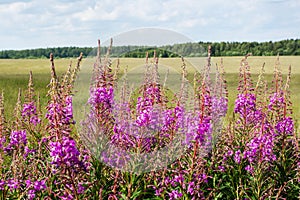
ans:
(14, 74)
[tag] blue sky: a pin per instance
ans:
(51, 23)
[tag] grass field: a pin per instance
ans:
(231, 65)
(14, 74)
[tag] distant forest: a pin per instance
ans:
(197, 49)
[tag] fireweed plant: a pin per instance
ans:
(150, 143)
(156, 134)
(258, 155)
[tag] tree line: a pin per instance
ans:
(196, 49)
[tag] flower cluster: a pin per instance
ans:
(13, 184)
(65, 152)
(175, 195)
(219, 106)
(198, 131)
(2, 184)
(191, 188)
(34, 187)
(29, 113)
(154, 92)
(59, 113)
(28, 151)
(260, 149)
(276, 101)
(54, 111)
(145, 105)
(101, 95)
(144, 111)
(204, 129)
(68, 110)
(17, 139)
(245, 104)
(257, 143)
(237, 156)
(66, 196)
(285, 126)
(173, 119)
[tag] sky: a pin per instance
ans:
(27, 24)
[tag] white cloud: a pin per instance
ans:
(34, 23)
(98, 11)
(12, 13)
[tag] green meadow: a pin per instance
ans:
(14, 74)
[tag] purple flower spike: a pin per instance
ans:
(221, 168)
(175, 195)
(237, 157)
(31, 194)
(28, 183)
(245, 104)
(276, 101)
(2, 184)
(101, 95)
(29, 113)
(67, 196)
(40, 185)
(191, 188)
(285, 126)
(13, 184)
(144, 111)
(249, 169)
(260, 149)
(178, 179)
(68, 110)
(60, 114)
(81, 188)
(64, 152)
(28, 151)
(219, 106)
(158, 191)
(17, 138)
